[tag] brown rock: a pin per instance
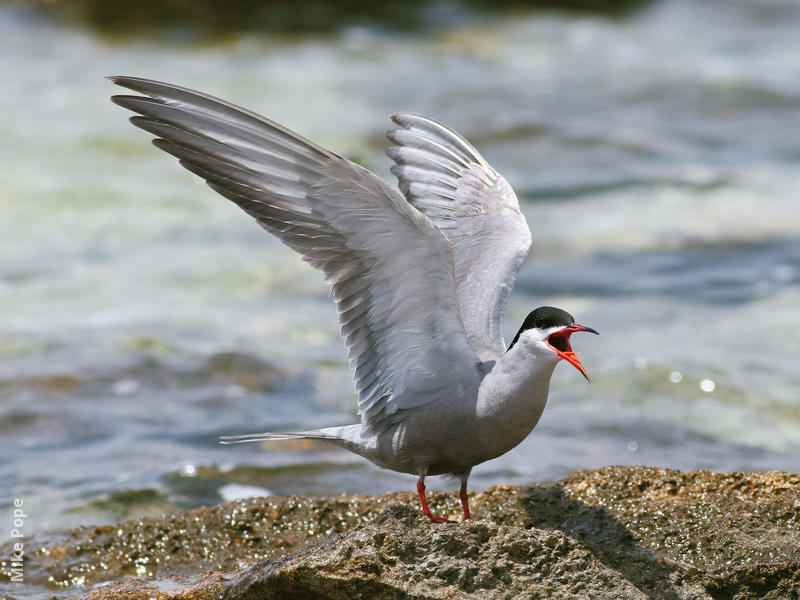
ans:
(402, 554)
(617, 532)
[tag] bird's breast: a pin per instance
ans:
(511, 400)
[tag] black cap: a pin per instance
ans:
(544, 317)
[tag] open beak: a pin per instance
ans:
(559, 341)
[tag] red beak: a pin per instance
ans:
(559, 341)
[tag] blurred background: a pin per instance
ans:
(653, 145)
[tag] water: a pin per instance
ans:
(143, 317)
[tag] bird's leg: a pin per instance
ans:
(464, 500)
(425, 510)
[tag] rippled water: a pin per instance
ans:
(656, 159)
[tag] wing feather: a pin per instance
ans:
(445, 178)
(390, 267)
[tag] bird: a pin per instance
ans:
(420, 276)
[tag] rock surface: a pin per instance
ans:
(617, 532)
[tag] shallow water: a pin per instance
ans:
(143, 317)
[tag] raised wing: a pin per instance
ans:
(445, 178)
(389, 266)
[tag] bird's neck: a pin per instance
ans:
(513, 395)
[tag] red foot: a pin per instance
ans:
(436, 519)
(425, 510)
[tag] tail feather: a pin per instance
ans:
(259, 437)
(316, 434)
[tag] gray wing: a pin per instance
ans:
(389, 266)
(446, 179)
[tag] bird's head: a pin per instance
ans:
(546, 331)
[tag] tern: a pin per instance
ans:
(420, 278)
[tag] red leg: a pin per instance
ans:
(425, 510)
(464, 500)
